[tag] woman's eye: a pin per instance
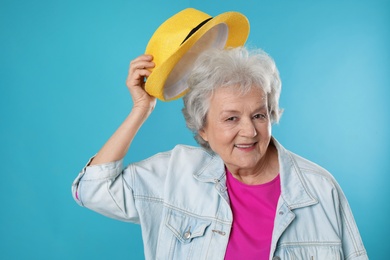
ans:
(260, 116)
(233, 118)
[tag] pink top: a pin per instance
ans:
(253, 208)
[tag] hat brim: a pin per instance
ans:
(238, 31)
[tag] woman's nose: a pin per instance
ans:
(247, 128)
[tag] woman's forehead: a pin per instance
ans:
(228, 98)
(236, 93)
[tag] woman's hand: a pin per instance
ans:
(143, 104)
(138, 71)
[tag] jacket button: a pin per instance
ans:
(187, 235)
(276, 258)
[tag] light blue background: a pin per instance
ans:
(63, 66)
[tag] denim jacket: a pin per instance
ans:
(181, 201)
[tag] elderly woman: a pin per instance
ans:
(242, 194)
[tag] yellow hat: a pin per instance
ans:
(179, 40)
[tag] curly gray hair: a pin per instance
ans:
(234, 67)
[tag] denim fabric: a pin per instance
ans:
(181, 201)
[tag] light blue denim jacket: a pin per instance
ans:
(181, 201)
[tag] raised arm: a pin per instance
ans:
(143, 104)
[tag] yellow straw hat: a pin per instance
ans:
(176, 44)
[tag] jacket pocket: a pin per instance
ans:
(183, 236)
(310, 252)
(186, 228)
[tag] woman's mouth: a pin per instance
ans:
(244, 146)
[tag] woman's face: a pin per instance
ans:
(238, 127)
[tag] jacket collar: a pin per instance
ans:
(212, 170)
(294, 189)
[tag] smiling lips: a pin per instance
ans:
(244, 146)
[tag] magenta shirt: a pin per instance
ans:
(253, 208)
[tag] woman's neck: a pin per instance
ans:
(265, 171)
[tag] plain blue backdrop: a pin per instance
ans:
(63, 66)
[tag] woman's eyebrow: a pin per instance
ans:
(259, 108)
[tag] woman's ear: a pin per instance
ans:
(203, 134)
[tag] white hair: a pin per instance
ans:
(233, 67)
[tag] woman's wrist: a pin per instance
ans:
(142, 111)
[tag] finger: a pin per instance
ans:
(140, 65)
(140, 73)
(137, 77)
(142, 61)
(145, 57)
(139, 70)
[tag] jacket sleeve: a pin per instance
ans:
(105, 188)
(352, 243)
(127, 194)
